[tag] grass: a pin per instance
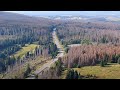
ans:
(59, 42)
(16, 74)
(111, 71)
(25, 49)
(38, 62)
(34, 64)
(21, 53)
(63, 75)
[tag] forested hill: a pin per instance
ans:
(7, 17)
(18, 31)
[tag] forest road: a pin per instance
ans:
(60, 54)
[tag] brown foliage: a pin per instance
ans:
(91, 56)
(94, 32)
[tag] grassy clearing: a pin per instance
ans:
(25, 49)
(63, 75)
(111, 71)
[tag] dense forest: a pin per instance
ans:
(16, 33)
(98, 44)
(98, 40)
(26, 38)
(88, 55)
(89, 32)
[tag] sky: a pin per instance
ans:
(54, 13)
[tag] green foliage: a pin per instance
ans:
(9, 51)
(53, 50)
(78, 41)
(76, 65)
(71, 74)
(106, 58)
(104, 61)
(66, 49)
(28, 70)
(15, 34)
(102, 64)
(58, 66)
(85, 41)
(65, 45)
(115, 58)
(104, 40)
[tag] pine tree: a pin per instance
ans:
(79, 76)
(105, 59)
(71, 74)
(76, 75)
(28, 70)
(102, 64)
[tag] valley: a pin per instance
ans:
(59, 46)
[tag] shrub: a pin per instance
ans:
(102, 64)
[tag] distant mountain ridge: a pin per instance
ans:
(7, 16)
(84, 16)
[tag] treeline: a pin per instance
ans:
(99, 32)
(53, 51)
(9, 50)
(24, 34)
(87, 55)
(6, 55)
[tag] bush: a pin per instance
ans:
(102, 64)
(73, 74)
(66, 49)
(86, 42)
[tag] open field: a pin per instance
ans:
(111, 71)
(25, 49)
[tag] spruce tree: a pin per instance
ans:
(28, 70)
(102, 63)
(73, 74)
(76, 75)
